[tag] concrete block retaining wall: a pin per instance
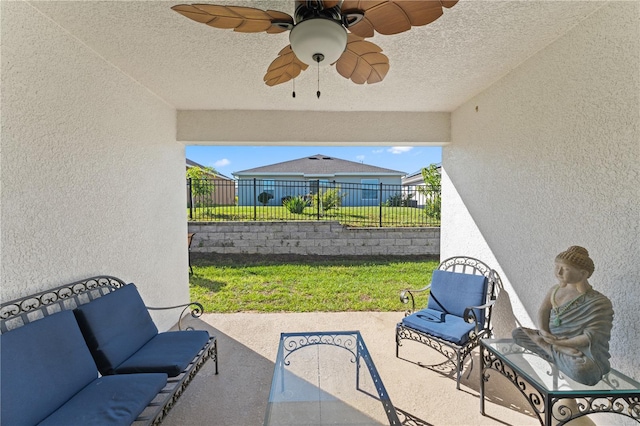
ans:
(311, 238)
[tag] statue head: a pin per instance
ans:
(578, 257)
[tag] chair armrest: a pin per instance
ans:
(196, 311)
(470, 315)
(407, 294)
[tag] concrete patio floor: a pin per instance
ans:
(247, 348)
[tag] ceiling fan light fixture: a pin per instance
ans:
(318, 36)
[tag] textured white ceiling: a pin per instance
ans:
(433, 68)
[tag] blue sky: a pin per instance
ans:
(229, 159)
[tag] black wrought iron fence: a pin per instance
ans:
(350, 203)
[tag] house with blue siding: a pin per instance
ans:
(360, 184)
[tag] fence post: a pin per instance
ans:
(190, 199)
(380, 199)
(255, 200)
(318, 198)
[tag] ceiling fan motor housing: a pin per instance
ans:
(318, 36)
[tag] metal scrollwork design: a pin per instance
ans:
(451, 355)
(460, 262)
(625, 405)
(563, 412)
(532, 395)
(634, 407)
(195, 310)
(19, 312)
(294, 342)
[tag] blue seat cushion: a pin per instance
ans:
(432, 315)
(453, 292)
(453, 329)
(115, 326)
(169, 352)
(42, 364)
(109, 400)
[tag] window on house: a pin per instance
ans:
(369, 189)
(269, 186)
(315, 185)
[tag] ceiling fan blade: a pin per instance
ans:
(362, 61)
(238, 18)
(394, 16)
(285, 67)
(328, 4)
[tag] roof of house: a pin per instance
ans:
(191, 163)
(318, 165)
(416, 177)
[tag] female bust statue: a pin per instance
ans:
(575, 321)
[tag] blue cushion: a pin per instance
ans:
(43, 364)
(169, 352)
(115, 326)
(453, 329)
(432, 315)
(109, 400)
(453, 292)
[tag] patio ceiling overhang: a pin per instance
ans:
(434, 68)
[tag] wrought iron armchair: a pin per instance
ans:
(461, 296)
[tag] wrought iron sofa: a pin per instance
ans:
(458, 314)
(89, 353)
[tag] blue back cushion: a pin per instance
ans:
(115, 326)
(43, 364)
(453, 292)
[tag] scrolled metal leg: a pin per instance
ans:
(215, 353)
(482, 379)
(459, 373)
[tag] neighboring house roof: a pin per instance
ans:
(191, 163)
(318, 165)
(219, 175)
(415, 178)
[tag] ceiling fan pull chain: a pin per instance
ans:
(294, 88)
(318, 92)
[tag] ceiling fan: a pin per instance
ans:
(325, 32)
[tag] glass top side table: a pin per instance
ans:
(545, 387)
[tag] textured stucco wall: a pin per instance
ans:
(92, 177)
(549, 157)
(312, 238)
(250, 127)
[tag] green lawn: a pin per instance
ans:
(352, 216)
(263, 285)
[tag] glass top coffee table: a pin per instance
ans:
(327, 378)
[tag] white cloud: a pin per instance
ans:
(360, 157)
(378, 151)
(222, 163)
(399, 149)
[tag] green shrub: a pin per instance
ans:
(398, 200)
(330, 198)
(264, 198)
(295, 204)
(431, 191)
(433, 206)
